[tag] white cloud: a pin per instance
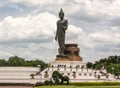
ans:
(108, 8)
(16, 7)
(107, 36)
(40, 30)
(39, 2)
(34, 33)
(40, 26)
(15, 33)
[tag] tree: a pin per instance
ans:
(89, 65)
(115, 71)
(35, 63)
(15, 61)
(106, 62)
(3, 62)
(18, 61)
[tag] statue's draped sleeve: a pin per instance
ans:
(66, 25)
(57, 29)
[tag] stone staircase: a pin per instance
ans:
(18, 74)
(82, 75)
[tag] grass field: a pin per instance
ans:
(78, 86)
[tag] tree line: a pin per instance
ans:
(111, 64)
(18, 61)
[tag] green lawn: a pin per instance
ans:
(78, 86)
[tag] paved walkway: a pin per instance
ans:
(16, 87)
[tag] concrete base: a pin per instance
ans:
(71, 53)
(67, 64)
(76, 70)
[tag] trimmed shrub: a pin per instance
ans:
(56, 77)
(57, 81)
(46, 82)
(39, 84)
(65, 78)
(51, 82)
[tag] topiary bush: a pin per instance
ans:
(56, 77)
(51, 82)
(65, 78)
(46, 82)
(39, 84)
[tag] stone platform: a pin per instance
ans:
(71, 53)
(12, 76)
(70, 64)
(76, 71)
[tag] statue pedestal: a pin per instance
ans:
(62, 58)
(71, 53)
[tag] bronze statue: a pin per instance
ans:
(62, 26)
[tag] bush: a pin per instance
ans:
(56, 73)
(65, 78)
(51, 82)
(46, 82)
(57, 81)
(56, 77)
(39, 84)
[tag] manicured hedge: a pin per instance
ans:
(95, 83)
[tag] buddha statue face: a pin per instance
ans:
(61, 14)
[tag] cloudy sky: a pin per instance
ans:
(27, 28)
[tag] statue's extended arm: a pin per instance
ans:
(66, 24)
